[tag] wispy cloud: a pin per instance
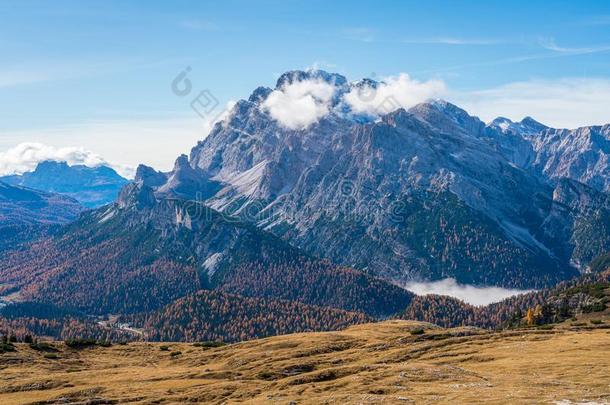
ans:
(36, 71)
(452, 41)
(10, 78)
(551, 45)
(596, 20)
(361, 34)
(199, 25)
(557, 52)
(365, 34)
(562, 103)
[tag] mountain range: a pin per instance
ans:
(427, 193)
(337, 212)
(91, 186)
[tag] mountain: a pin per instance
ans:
(27, 213)
(142, 253)
(579, 154)
(91, 186)
(427, 193)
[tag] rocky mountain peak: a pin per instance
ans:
(532, 126)
(136, 195)
(312, 74)
(148, 176)
(448, 117)
(91, 186)
(259, 94)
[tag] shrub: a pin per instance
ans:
(79, 343)
(596, 321)
(599, 306)
(417, 331)
(164, 348)
(51, 356)
(175, 353)
(6, 347)
(209, 345)
(43, 347)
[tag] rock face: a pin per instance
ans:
(580, 154)
(92, 187)
(149, 177)
(424, 193)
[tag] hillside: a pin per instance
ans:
(392, 362)
(26, 214)
(141, 254)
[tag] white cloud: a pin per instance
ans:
(124, 143)
(26, 156)
(392, 93)
(467, 293)
(301, 103)
(562, 103)
(551, 45)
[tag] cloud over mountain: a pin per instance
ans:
(26, 156)
(301, 103)
(392, 93)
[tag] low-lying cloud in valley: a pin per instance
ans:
(471, 294)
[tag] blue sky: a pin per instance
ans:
(98, 75)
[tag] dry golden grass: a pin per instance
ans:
(376, 363)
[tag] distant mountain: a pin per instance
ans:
(27, 213)
(91, 186)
